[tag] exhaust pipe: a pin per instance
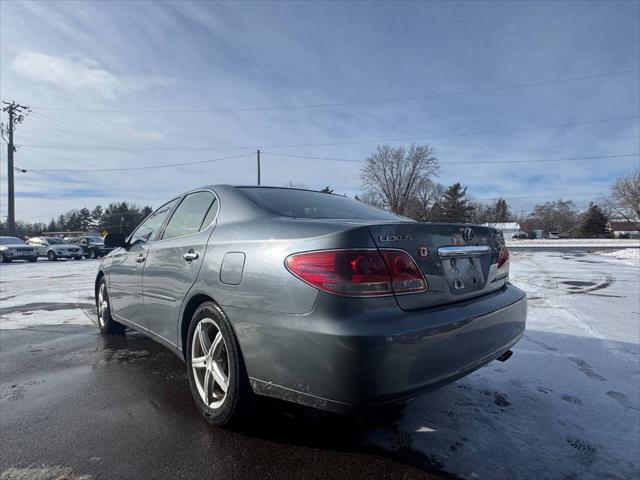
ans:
(505, 356)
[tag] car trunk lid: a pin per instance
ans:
(458, 261)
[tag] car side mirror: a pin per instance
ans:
(115, 240)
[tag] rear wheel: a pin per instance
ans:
(106, 323)
(79, 257)
(51, 255)
(217, 376)
(91, 254)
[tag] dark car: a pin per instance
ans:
(92, 245)
(310, 297)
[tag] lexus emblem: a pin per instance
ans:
(467, 234)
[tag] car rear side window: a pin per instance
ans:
(149, 228)
(310, 204)
(190, 216)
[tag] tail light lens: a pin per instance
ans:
(358, 273)
(503, 262)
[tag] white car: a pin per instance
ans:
(54, 248)
(12, 248)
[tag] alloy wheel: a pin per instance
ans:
(103, 304)
(210, 363)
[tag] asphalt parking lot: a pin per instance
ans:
(565, 406)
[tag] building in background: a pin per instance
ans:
(624, 229)
(507, 229)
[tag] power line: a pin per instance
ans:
(348, 142)
(147, 167)
(570, 159)
(355, 102)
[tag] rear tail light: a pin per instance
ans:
(503, 262)
(358, 273)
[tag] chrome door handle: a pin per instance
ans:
(189, 256)
(140, 259)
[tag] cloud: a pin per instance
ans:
(80, 76)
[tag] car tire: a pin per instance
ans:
(78, 257)
(5, 259)
(51, 255)
(106, 323)
(91, 254)
(34, 259)
(228, 393)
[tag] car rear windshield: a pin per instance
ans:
(10, 241)
(309, 204)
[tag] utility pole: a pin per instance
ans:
(258, 153)
(14, 111)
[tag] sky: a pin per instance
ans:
(316, 86)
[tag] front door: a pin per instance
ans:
(173, 262)
(127, 265)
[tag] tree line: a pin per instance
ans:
(117, 217)
(404, 181)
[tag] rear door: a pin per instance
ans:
(127, 265)
(173, 262)
(458, 261)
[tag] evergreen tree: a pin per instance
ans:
(454, 206)
(96, 218)
(594, 222)
(500, 211)
(84, 219)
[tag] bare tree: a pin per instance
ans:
(393, 175)
(560, 215)
(625, 198)
(427, 196)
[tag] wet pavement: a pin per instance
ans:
(120, 407)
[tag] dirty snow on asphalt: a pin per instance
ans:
(565, 406)
(47, 293)
(629, 255)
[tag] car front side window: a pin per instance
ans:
(148, 229)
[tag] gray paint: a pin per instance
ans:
(232, 268)
(313, 347)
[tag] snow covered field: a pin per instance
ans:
(575, 242)
(565, 406)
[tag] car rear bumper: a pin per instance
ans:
(343, 359)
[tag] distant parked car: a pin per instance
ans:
(12, 248)
(520, 235)
(552, 235)
(92, 245)
(54, 248)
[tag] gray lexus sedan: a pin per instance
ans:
(309, 297)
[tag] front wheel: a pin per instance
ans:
(34, 259)
(217, 376)
(106, 323)
(78, 257)
(92, 254)
(52, 256)
(5, 259)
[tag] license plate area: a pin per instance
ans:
(463, 274)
